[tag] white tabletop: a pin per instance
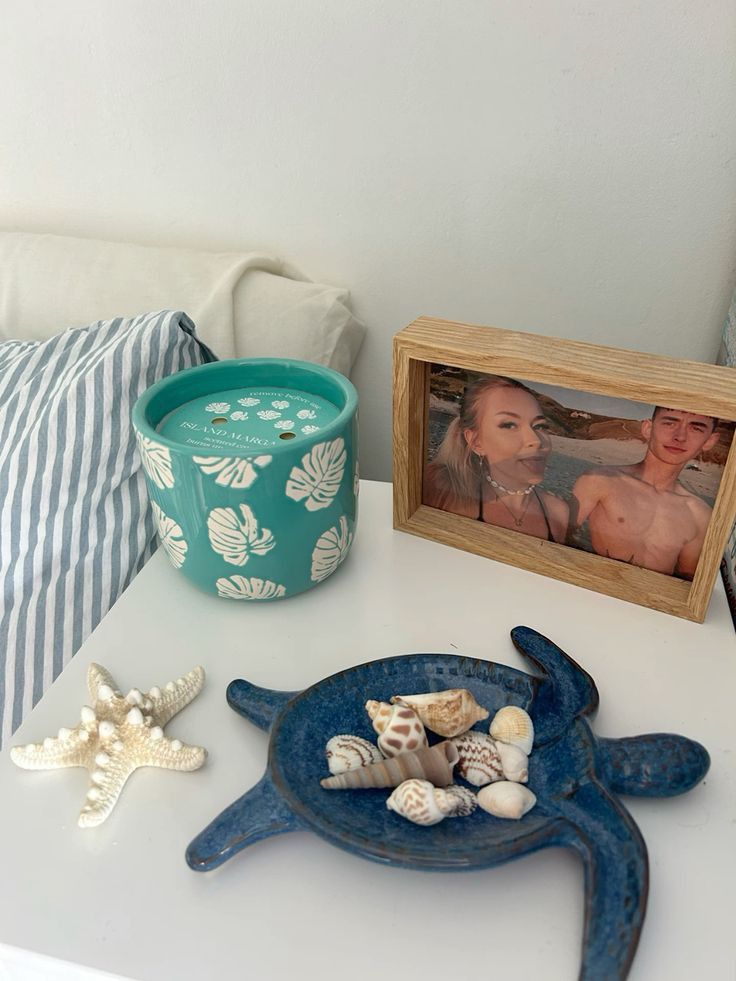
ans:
(121, 899)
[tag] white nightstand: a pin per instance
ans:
(121, 898)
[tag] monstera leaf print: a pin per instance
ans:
(217, 407)
(156, 461)
(248, 402)
(171, 536)
(306, 414)
(318, 481)
(330, 550)
(236, 472)
(238, 587)
(234, 538)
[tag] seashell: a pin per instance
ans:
(379, 713)
(448, 713)
(456, 801)
(434, 763)
(416, 801)
(513, 725)
(350, 752)
(514, 761)
(506, 800)
(479, 762)
(402, 731)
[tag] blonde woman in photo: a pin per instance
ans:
(491, 463)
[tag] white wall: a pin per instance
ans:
(562, 167)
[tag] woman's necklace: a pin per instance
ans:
(505, 490)
(518, 521)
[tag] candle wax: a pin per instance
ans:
(248, 418)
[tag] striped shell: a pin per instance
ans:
(435, 763)
(479, 762)
(448, 713)
(456, 801)
(513, 725)
(346, 752)
(416, 800)
(506, 800)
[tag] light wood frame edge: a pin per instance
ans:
(708, 389)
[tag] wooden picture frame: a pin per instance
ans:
(685, 385)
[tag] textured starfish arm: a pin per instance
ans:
(105, 787)
(97, 676)
(176, 695)
(70, 749)
(171, 754)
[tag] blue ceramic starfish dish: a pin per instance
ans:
(577, 778)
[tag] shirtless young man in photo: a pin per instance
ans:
(641, 514)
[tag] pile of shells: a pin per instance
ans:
(422, 775)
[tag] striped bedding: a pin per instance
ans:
(75, 525)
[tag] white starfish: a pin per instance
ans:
(117, 736)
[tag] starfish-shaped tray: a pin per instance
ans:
(575, 775)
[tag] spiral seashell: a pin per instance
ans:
(448, 713)
(514, 761)
(434, 763)
(402, 733)
(479, 762)
(346, 752)
(513, 725)
(455, 801)
(379, 713)
(416, 801)
(506, 800)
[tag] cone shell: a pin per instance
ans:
(379, 714)
(514, 726)
(515, 762)
(403, 732)
(456, 801)
(448, 713)
(416, 801)
(479, 762)
(434, 763)
(346, 752)
(506, 800)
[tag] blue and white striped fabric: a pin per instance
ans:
(75, 523)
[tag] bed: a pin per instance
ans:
(85, 327)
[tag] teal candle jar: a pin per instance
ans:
(252, 471)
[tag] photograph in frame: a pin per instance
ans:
(626, 480)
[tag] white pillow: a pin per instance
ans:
(244, 304)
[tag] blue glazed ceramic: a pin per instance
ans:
(252, 470)
(575, 775)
